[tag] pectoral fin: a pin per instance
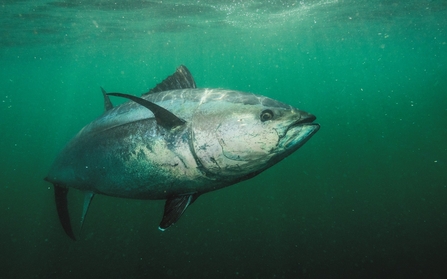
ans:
(60, 195)
(174, 208)
(164, 117)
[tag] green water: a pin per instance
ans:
(364, 198)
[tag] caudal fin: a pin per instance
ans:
(60, 196)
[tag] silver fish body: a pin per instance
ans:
(221, 137)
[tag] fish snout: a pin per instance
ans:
(305, 117)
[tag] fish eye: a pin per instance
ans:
(266, 115)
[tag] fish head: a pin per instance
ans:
(243, 134)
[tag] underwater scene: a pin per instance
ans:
(365, 197)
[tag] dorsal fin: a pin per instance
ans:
(164, 117)
(181, 79)
(107, 103)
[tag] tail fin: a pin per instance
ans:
(60, 196)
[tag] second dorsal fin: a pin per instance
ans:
(107, 103)
(181, 79)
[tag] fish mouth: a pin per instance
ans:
(299, 132)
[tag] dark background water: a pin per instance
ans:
(364, 198)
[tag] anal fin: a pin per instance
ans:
(88, 196)
(60, 196)
(174, 208)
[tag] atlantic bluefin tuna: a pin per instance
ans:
(176, 142)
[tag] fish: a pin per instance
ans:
(175, 142)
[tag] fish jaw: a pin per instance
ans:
(297, 135)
